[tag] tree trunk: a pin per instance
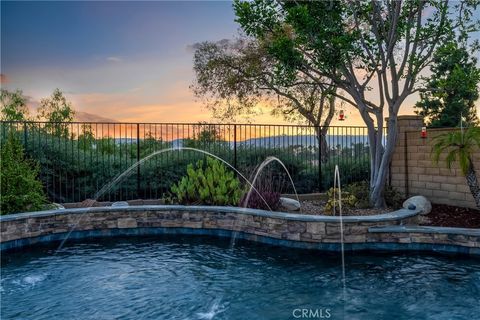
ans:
(321, 135)
(472, 182)
(381, 167)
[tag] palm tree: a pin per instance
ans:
(460, 145)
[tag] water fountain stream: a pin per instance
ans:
(259, 170)
(336, 179)
(128, 171)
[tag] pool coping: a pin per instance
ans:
(394, 215)
(426, 229)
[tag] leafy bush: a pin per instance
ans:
(348, 200)
(256, 202)
(268, 193)
(208, 183)
(357, 195)
(393, 198)
(361, 192)
(21, 190)
(74, 169)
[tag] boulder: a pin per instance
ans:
(418, 202)
(53, 206)
(57, 206)
(120, 204)
(289, 204)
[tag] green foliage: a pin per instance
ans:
(86, 139)
(209, 183)
(459, 146)
(361, 192)
(20, 189)
(234, 78)
(393, 198)
(73, 170)
(57, 111)
(14, 106)
(348, 200)
(357, 196)
(452, 89)
(390, 42)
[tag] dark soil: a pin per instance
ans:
(317, 207)
(450, 216)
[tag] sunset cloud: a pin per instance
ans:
(3, 79)
(114, 59)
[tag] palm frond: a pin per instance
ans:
(459, 145)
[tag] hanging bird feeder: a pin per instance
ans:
(423, 134)
(341, 115)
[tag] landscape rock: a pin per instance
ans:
(120, 204)
(418, 202)
(289, 204)
(57, 206)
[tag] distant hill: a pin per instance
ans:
(285, 141)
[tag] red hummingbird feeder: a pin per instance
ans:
(423, 134)
(341, 115)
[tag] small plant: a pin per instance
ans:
(393, 198)
(208, 183)
(459, 146)
(20, 189)
(348, 200)
(361, 192)
(356, 195)
(256, 202)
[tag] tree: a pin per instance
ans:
(452, 89)
(21, 189)
(235, 77)
(86, 138)
(56, 110)
(205, 134)
(14, 106)
(459, 146)
(359, 44)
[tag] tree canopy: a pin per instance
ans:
(14, 106)
(358, 45)
(452, 88)
(56, 110)
(235, 77)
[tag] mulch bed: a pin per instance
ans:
(450, 216)
(441, 215)
(316, 207)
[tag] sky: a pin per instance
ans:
(116, 61)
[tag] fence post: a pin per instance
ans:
(138, 159)
(235, 146)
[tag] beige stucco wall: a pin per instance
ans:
(414, 172)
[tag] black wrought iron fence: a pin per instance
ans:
(78, 158)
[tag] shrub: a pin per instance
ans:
(272, 198)
(208, 183)
(361, 192)
(357, 195)
(393, 198)
(21, 190)
(348, 200)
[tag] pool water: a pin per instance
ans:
(186, 277)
